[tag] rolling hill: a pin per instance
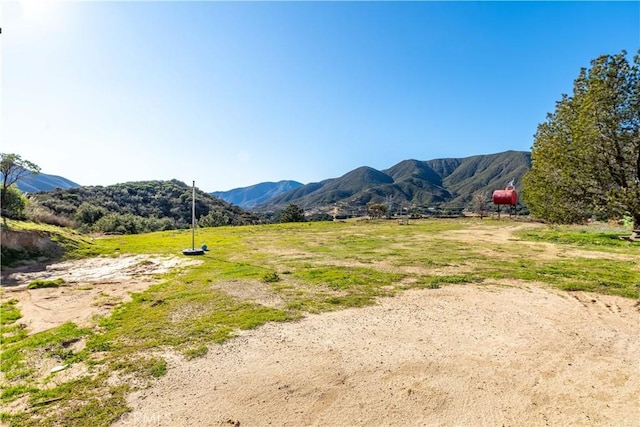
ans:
(446, 183)
(165, 201)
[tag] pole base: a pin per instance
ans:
(193, 252)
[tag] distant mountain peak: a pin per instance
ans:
(44, 182)
(249, 197)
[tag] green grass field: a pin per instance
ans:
(301, 268)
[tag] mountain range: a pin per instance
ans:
(44, 182)
(250, 197)
(447, 183)
(444, 183)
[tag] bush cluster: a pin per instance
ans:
(135, 207)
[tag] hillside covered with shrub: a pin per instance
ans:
(137, 207)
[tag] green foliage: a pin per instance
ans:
(81, 402)
(292, 213)
(586, 156)
(14, 203)
(13, 356)
(271, 277)
(9, 330)
(317, 216)
(88, 214)
(12, 169)
(84, 401)
(130, 224)
(214, 219)
(377, 210)
(352, 278)
(140, 207)
(12, 392)
(579, 274)
(155, 367)
(43, 283)
(585, 237)
(9, 313)
(194, 353)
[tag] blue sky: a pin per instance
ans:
(236, 93)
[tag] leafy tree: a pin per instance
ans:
(292, 213)
(13, 169)
(376, 210)
(586, 156)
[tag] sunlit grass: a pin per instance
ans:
(69, 241)
(599, 238)
(307, 268)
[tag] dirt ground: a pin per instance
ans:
(461, 355)
(506, 353)
(92, 287)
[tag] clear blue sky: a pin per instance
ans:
(233, 94)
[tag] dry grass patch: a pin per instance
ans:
(251, 291)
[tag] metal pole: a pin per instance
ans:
(193, 217)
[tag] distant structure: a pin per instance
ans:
(508, 196)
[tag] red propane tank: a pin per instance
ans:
(505, 197)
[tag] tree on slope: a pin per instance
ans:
(13, 169)
(292, 213)
(586, 156)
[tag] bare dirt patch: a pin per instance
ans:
(251, 291)
(504, 354)
(92, 287)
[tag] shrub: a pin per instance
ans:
(292, 213)
(214, 219)
(43, 283)
(271, 277)
(89, 214)
(15, 203)
(43, 215)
